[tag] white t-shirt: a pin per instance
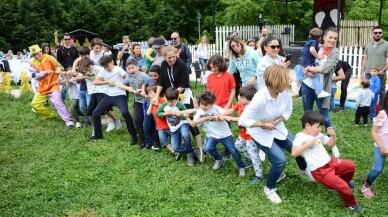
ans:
(117, 74)
(214, 129)
(92, 88)
(173, 128)
(316, 156)
(96, 57)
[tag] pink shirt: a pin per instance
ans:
(383, 132)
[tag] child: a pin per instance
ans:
(149, 55)
(135, 81)
(309, 54)
(244, 143)
(112, 75)
(217, 131)
(179, 127)
(333, 173)
(220, 82)
(73, 92)
(380, 137)
(375, 86)
(150, 132)
(363, 102)
(161, 123)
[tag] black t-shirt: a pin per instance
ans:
(175, 76)
(66, 56)
(124, 59)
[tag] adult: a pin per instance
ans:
(158, 44)
(136, 55)
(264, 35)
(252, 44)
(270, 49)
(243, 58)
(264, 119)
(348, 70)
(125, 52)
(324, 69)
(66, 54)
(45, 69)
(376, 54)
(183, 52)
(203, 51)
(173, 73)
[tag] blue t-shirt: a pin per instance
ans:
(307, 58)
(299, 72)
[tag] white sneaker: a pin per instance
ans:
(323, 94)
(118, 124)
(78, 125)
(281, 177)
(335, 152)
(218, 164)
(306, 174)
(104, 121)
(262, 155)
(111, 126)
(272, 195)
(93, 132)
(241, 172)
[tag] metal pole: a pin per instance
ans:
(381, 11)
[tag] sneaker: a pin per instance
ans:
(111, 126)
(155, 147)
(241, 172)
(323, 94)
(228, 156)
(272, 195)
(281, 177)
(190, 159)
(341, 109)
(357, 125)
(219, 164)
(257, 180)
(356, 208)
(367, 191)
(78, 125)
(200, 155)
(118, 124)
(352, 185)
(93, 138)
(365, 125)
(262, 155)
(176, 156)
(104, 121)
(247, 163)
(93, 132)
(335, 152)
(70, 126)
(133, 140)
(144, 146)
(306, 174)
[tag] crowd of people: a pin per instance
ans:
(166, 112)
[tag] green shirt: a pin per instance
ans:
(377, 55)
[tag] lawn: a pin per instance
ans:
(48, 170)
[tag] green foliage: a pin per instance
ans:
(47, 170)
(27, 22)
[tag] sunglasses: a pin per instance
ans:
(174, 38)
(67, 39)
(377, 33)
(275, 46)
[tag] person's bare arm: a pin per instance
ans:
(363, 65)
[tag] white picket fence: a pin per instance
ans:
(352, 55)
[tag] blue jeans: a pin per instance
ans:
(378, 166)
(202, 62)
(372, 109)
(308, 97)
(176, 137)
(228, 143)
(317, 85)
(332, 105)
(63, 93)
(163, 135)
(84, 99)
(278, 159)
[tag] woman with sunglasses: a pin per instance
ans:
(270, 49)
(324, 69)
(244, 59)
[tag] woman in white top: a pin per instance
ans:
(264, 119)
(203, 51)
(270, 49)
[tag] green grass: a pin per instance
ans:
(47, 170)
